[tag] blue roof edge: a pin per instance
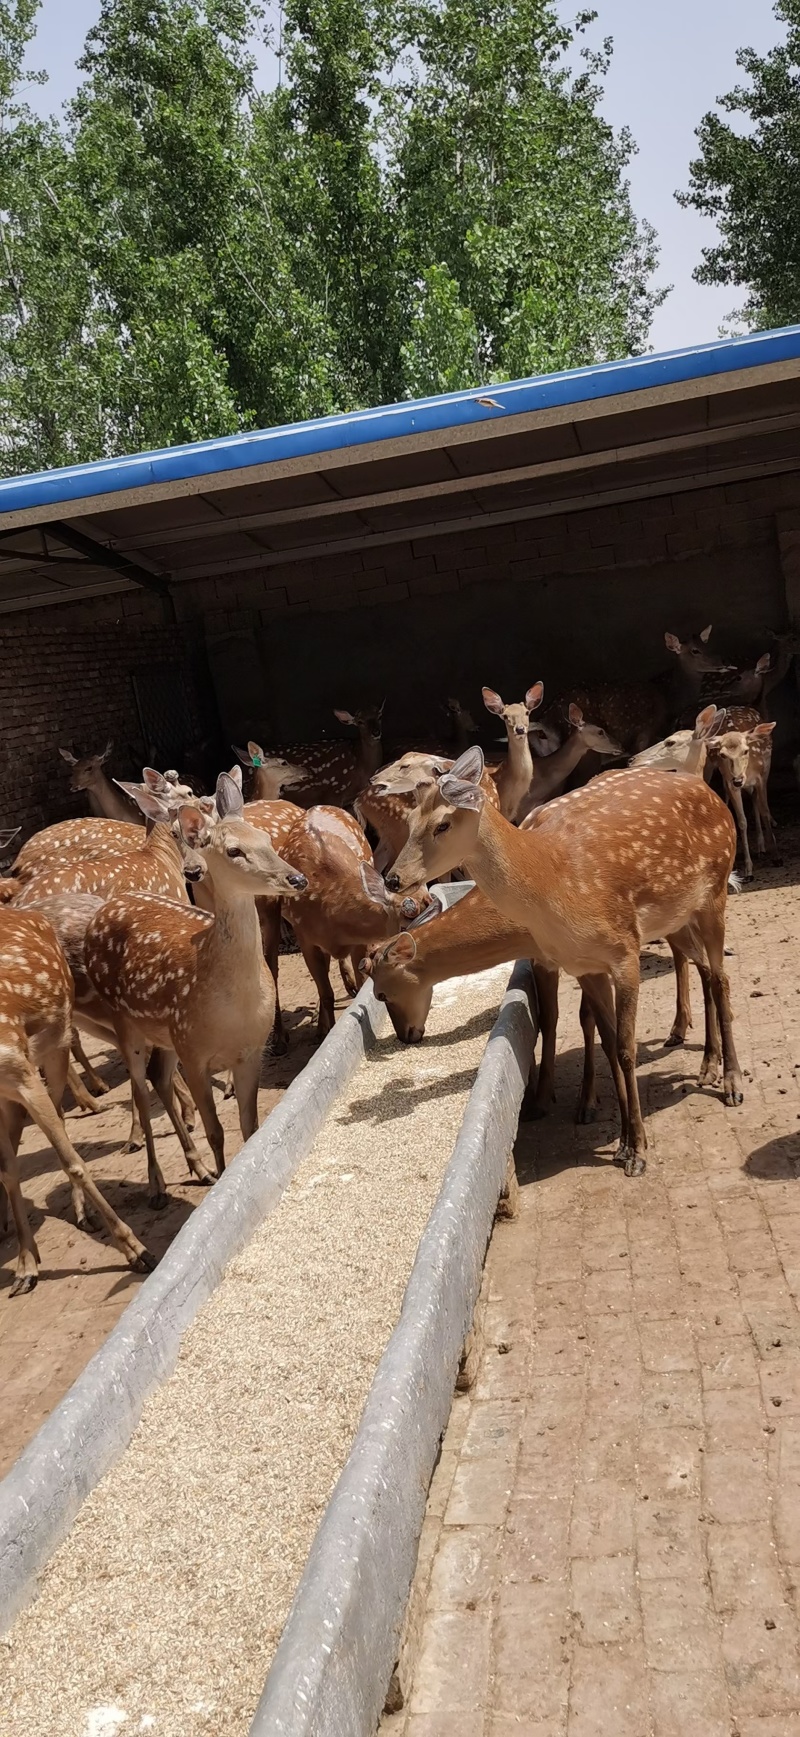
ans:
(56, 488)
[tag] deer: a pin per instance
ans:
(35, 1022)
(628, 858)
(346, 904)
(88, 775)
(743, 758)
(636, 714)
(191, 985)
(336, 771)
(388, 801)
(683, 750)
(271, 773)
(552, 770)
(155, 867)
(462, 726)
(513, 777)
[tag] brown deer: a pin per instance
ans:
(551, 771)
(74, 838)
(513, 776)
(191, 985)
(104, 797)
(743, 758)
(35, 1017)
(389, 800)
(271, 773)
(156, 867)
(631, 857)
(637, 715)
(336, 771)
(346, 904)
(683, 750)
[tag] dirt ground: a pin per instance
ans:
(613, 1534)
(47, 1338)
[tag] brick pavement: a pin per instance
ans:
(613, 1533)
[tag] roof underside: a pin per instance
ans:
(512, 453)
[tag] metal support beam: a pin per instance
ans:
(110, 558)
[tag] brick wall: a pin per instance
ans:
(67, 682)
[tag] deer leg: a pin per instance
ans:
(318, 964)
(28, 1257)
(26, 1087)
(198, 1079)
(98, 1086)
(161, 1071)
(269, 916)
(626, 984)
(761, 806)
(735, 797)
(134, 1052)
(83, 1098)
(56, 1067)
(247, 1075)
(185, 1100)
(587, 1101)
(711, 926)
(711, 1065)
(347, 972)
(683, 1011)
(537, 1103)
(599, 995)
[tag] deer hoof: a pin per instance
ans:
(733, 1097)
(634, 1165)
(89, 1219)
(133, 1145)
(674, 1040)
(585, 1114)
(24, 1285)
(157, 1202)
(144, 1262)
(533, 1109)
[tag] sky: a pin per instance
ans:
(670, 63)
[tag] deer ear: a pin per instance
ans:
(468, 766)
(762, 730)
(373, 886)
(150, 804)
(401, 949)
(154, 780)
(706, 723)
(67, 754)
(461, 795)
(228, 796)
(492, 701)
(672, 642)
(344, 717)
(763, 664)
(7, 835)
(106, 751)
(534, 697)
(575, 716)
(429, 915)
(242, 754)
(705, 635)
(236, 774)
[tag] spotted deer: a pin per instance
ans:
(513, 776)
(35, 1020)
(388, 801)
(336, 771)
(192, 985)
(271, 773)
(683, 750)
(345, 905)
(637, 714)
(156, 867)
(89, 775)
(550, 772)
(630, 857)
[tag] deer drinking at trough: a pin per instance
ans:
(629, 858)
(192, 985)
(35, 1024)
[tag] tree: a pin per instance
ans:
(511, 186)
(748, 180)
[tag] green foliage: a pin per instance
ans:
(747, 177)
(429, 200)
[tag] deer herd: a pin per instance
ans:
(155, 923)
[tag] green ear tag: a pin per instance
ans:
(256, 760)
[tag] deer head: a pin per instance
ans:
(593, 737)
(397, 984)
(368, 721)
(239, 858)
(693, 653)
(516, 717)
(682, 750)
(734, 749)
(281, 772)
(87, 771)
(443, 832)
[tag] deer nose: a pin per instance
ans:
(738, 782)
(393, 883)
(519, 730)
(193, 874)
(297, 881)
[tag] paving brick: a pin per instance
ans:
(604, 1599)
(734, 1487)
(690, 1704)
(602, 1518)
(531, 1657)
(608, 1693)
(679, 1625)
(452, 1670)
(744, 1566)
(537, 1533)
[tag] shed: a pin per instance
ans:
(552, 527)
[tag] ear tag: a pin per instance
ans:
(256, 760)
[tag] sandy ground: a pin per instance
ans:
(47, 1338)
(183, 1563)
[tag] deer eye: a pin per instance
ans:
(233, 850)
(444, 826)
